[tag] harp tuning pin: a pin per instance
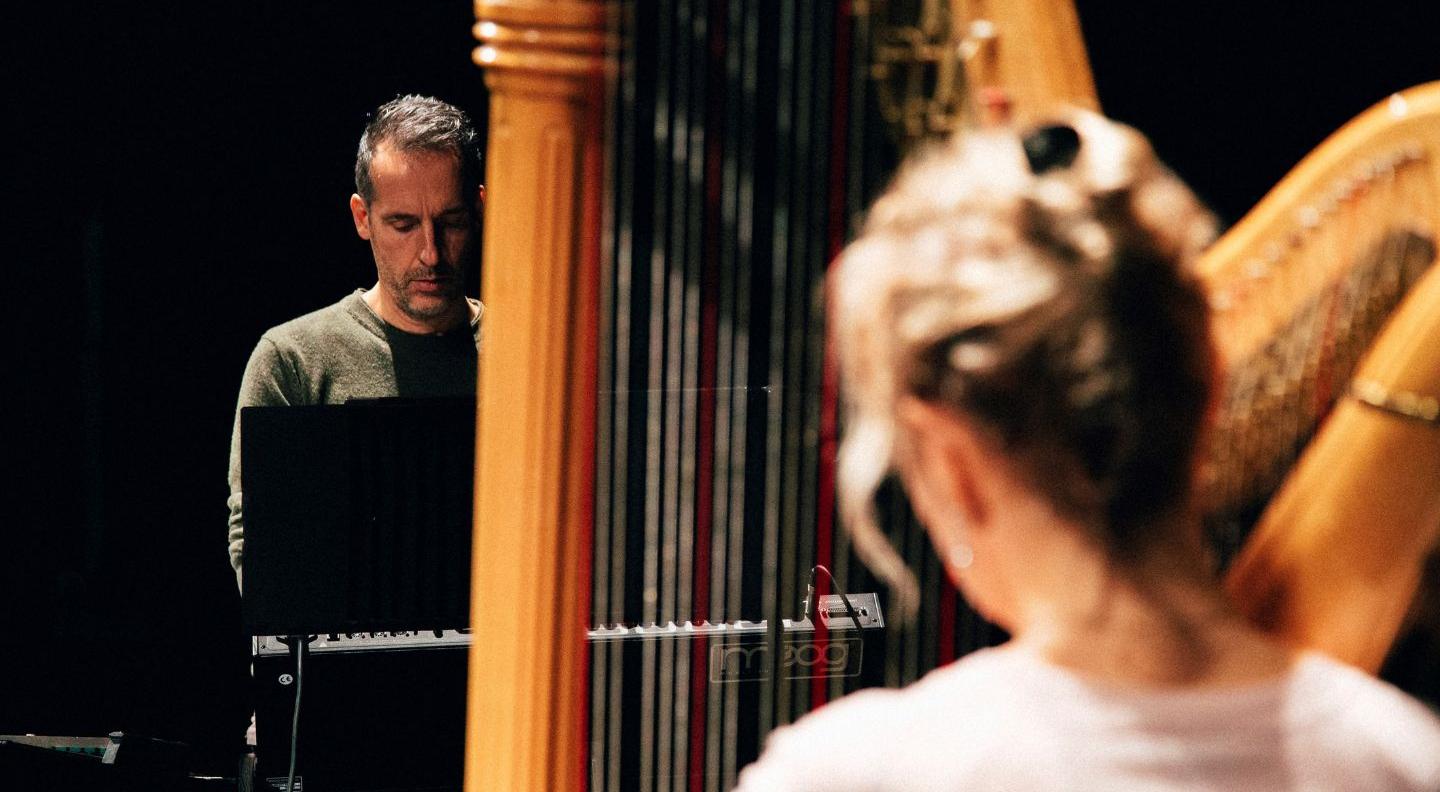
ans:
(1346, 188)
(1398, 106)
(1273, 252)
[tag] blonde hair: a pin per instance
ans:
(1034, 298)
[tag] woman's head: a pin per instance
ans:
(1035, 285)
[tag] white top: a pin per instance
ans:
(1004, 719)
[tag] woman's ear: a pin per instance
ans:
(945, 470)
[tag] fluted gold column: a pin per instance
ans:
(534, 483)
(1032, 49)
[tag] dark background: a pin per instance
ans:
(178, 177)
(1234, 93)
(181, 177)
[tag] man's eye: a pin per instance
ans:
(404, 227)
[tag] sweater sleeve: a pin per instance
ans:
(269, 380)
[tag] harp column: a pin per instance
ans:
(534, 452)
(1033, 49)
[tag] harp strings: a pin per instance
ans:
(1292, 324)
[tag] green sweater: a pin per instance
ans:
(341, 352)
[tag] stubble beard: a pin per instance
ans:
(429, 306)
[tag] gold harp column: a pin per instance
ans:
(534, 451)
(1033, 49)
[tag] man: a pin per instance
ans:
(417, 202)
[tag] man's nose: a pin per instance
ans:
(429, 248)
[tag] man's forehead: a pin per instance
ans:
(414, 170)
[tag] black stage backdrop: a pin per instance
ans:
(177, 178)
(182, 176)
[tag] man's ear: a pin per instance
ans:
(360, 212)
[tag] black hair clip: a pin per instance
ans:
(1050, 147)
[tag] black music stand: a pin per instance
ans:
(357, 516)
(358, 520)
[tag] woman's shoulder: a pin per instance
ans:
(1343, 712)
(862, 737)
(971, 681)
(1324, 686)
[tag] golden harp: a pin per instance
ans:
(1327, 292)
(1334, 562)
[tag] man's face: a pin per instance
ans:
(422, 230)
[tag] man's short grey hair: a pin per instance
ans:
(419, 123)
